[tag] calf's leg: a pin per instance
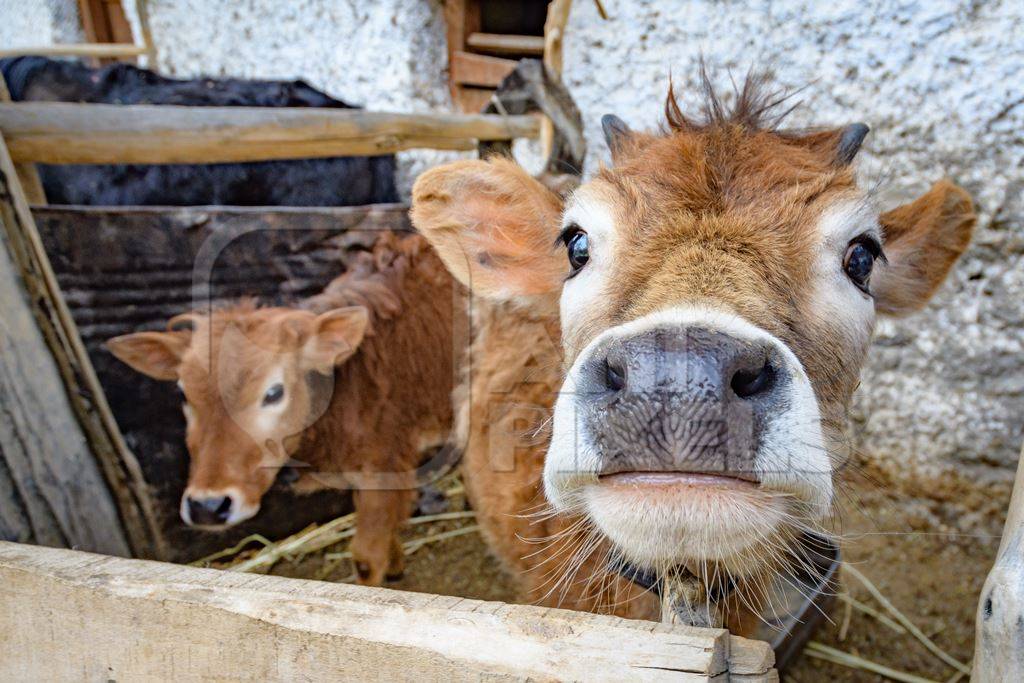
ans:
(376, 552)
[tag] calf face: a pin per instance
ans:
(252, 380)
(719, 287)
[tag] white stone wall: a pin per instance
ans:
(30, 23)
(941, 83)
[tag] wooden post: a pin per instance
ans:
(104, 23)
(999, 640)
(685, 599)
(554, 32)
(462, 18)
(57, 329)
(142, 11)
(51, 490)
(106, 51)
(27, 174)
(68, 615)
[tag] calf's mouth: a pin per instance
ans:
(688, 436)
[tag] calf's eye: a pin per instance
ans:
(577, 246)
(859, 261)
(274, 395)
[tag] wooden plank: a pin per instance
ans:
(751, 660)
(470, 69)
(51, 489)
(87, 50)
(473, 100)
(119, 467)
(63, 133)
(69, 615)
(142, 12)
(999, 638)
(504, 44)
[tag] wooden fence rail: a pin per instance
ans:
(68, 615)
(95, 50)
(63, 133)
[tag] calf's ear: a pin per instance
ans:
(923, 239)
(493, 225)
(336, 336)
(156, 354)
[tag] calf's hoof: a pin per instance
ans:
(363, 571)
(396, 575)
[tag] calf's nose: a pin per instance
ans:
(213, 510)
(694, 363)
(680, 398)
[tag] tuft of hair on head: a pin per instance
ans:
(756, 105)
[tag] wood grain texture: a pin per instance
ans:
(64, 133)
(81, 386)
(472, 99)
(480, 70)
(751, 660)
(51, 489)
(70, 616)
(86, 50)
(506, 44)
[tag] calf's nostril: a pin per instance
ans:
(748, 382)
(614, 376)
(214, 510)
(224, 508)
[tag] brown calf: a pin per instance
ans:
(355, 384)
(716, 291)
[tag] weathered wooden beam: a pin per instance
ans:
(51, 488)
(88, 50)
(58, 330)
(68, 615)
(62, 133)
(506, 44)
(142, 12)
(999, 638)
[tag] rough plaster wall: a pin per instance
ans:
(39, 22)
(942, 86)
(386, 55)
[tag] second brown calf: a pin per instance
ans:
(354, 384)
